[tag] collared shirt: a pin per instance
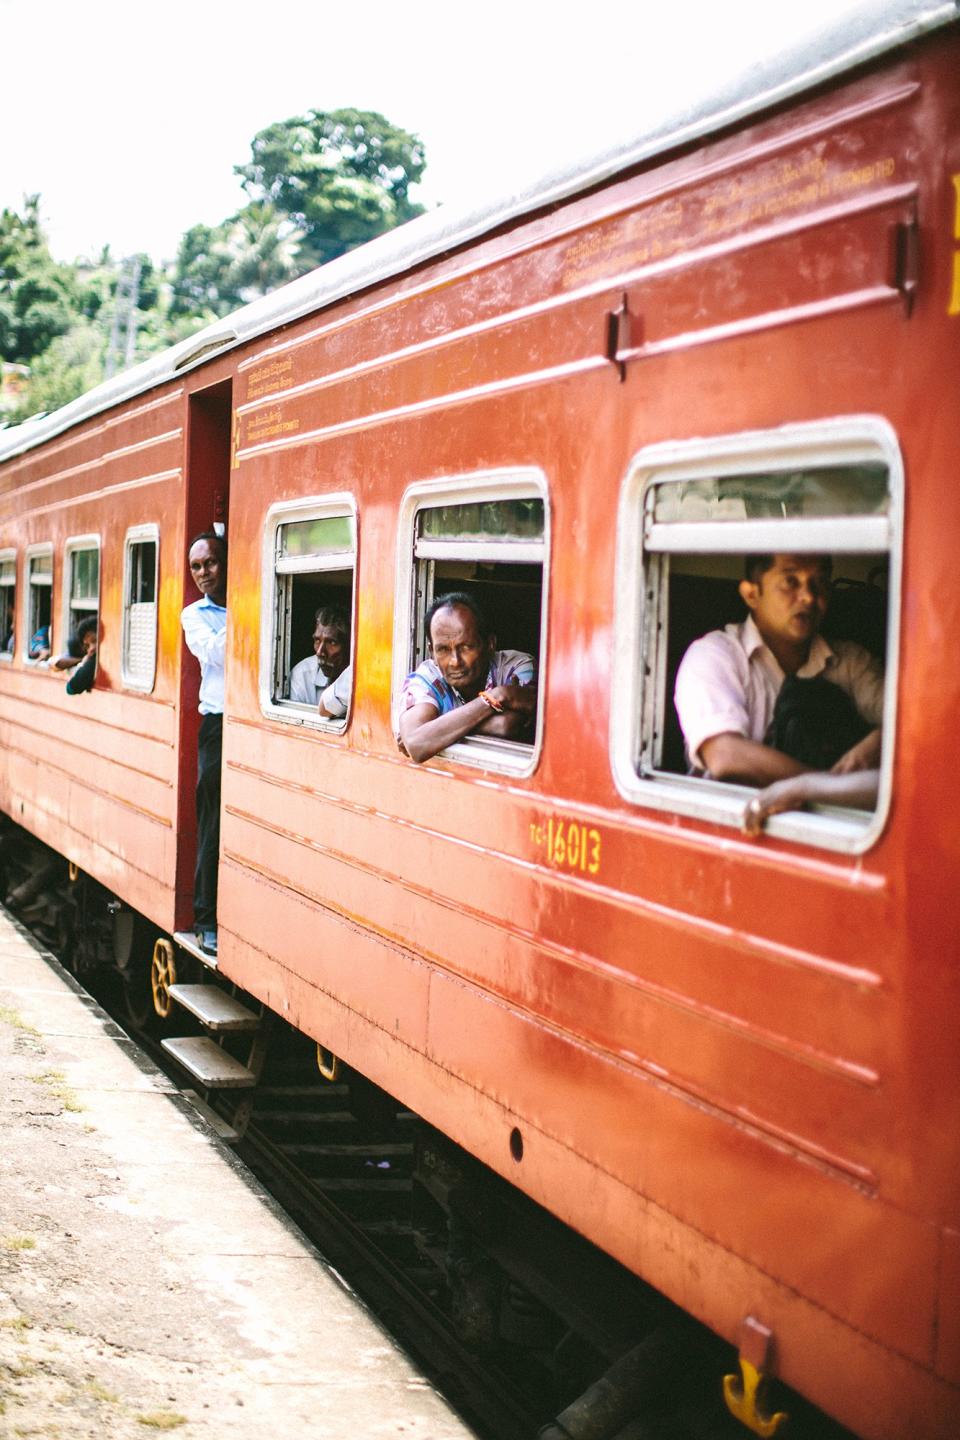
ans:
(336, 698)
(205, 631)
(729, 680)
(307, 681)
(426, 685)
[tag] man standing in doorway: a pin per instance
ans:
(204, 629)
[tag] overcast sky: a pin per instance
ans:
(128, 118)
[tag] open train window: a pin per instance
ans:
(690, 515)
(309, 560)
(81, 584)
(8, 603)
(39, 602)
(485, 535)
(138, 663)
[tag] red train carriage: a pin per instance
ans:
(730, 1063)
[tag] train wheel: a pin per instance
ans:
(163, 974)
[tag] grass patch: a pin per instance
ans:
(56, 1086)
(18, 1242)
(162, 1419)
(100, 1392)
(14, 1018)
(16, 1323)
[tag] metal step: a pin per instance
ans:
(188, 941)
(214, 1008)
(208, 1063)
(216, 1122)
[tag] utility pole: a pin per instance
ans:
(123, 330)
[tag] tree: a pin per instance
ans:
(340, 176)
(70, 365)
(38, 297)
(221, 267)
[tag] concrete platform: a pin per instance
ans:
(147, 1282)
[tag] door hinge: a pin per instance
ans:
(618, 333)
(905, 257)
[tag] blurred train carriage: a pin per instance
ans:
(730, 1064)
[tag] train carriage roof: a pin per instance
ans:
(869, 31)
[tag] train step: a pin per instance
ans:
(207, 1062)
(214, 1008)
(217, 1123)
(188, 941)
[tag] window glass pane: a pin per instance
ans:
(143, 564)
(485, 520)
(315, 537)
(85, 577)
(41, 569)
(8, 572)
(7, 599)
(848, 490)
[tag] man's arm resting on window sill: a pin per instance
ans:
(424, 733)
(746, 762)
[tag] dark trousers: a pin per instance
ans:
(209, 750)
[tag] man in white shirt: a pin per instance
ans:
(729, 680)
(331, 651)
(204, 629)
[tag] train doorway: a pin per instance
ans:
(207, 509)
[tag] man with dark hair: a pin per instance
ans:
(467, 686)
(83, 675)
(732, 686)
(204, 629)
(331, 651)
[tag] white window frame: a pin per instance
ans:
(848, 440)
(32, 553)
(74, 544)
(506, 757)
(9, 553)
(139, 535)
(332, 506)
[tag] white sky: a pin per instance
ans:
(128, 118)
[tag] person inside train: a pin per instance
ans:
(39, 647)
(857, 788)
(335, 700)
(467, 686)
(204, 630)
(85, 670)
(309, 678)
(770, 698)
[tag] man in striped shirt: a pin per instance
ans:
(468, 686)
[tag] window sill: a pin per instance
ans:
(825, 827)
(504, 757)
(291, 712)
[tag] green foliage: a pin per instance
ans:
(70, 365)
(340, 176)
(222, 267)
(38, 297)
(318, 185)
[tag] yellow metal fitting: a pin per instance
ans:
(328, 1064)
(744, 1392)
(73, 872)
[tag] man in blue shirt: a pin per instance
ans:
(467, 686)
(204, 629)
